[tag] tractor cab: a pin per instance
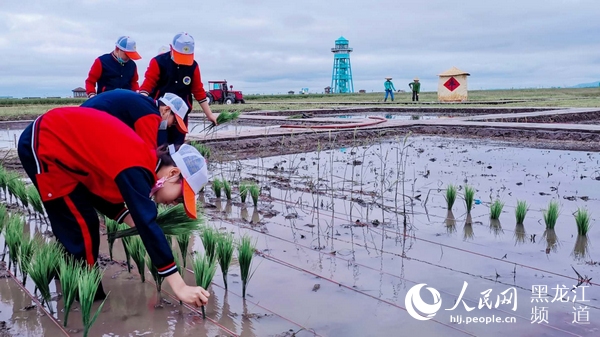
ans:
(220, 93)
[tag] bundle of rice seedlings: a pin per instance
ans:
(519, 234)
(551, 214)
(3, 216)
(496, 227)
(227, 188)
(582, 219)
(11, 184)
(69, 274)
(581, 249)
(209, 240)
(172, 220)
(217, 185)
(183, 241)
(26, 250)
(20, 191)
(35, 200)
(244, 191)
(450, 196)
(111, 227)
(450, 222)
(89, 280)
(14, 237)
(224, 117)
(254, 193)
(137, 251)
(3, 179)
(496, 209)
(203, 149)
(245, 253)
(180, 266)
(225, 254)
(521, 211)
(124, 240)
(469, 197)
(158, 280)
(43, 267)
(204, 271)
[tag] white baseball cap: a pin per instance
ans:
(195, 174)
(183, 49)
(179, 108)
(163, 49)
(127, 44)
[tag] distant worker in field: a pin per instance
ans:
(415, 86)
(162, 50)
(115, 70)
(177, 72)
(389, 88)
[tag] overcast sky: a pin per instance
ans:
(273, 46)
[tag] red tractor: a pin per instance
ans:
(218, 92)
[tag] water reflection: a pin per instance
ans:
(551, 241)
(496, 227)
(581, 249)
(450, 223)
(247, 326)
(468, 228)
(255, 216)
(244, 213)
(520, 235)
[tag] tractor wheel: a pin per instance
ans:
(210, 99)
(228, 101)
(243, 102)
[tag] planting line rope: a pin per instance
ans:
(455, 248)
(381, 272)
(37, 302)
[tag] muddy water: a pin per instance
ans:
(388, 116)
(352, 234)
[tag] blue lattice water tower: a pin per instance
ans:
(341, 79)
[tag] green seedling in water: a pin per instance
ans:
(158, 280)
(69, 274)
(496, 209)
(43, 267)
(172, 221)
(254, 193)
(3, 216)
(224, 117)
(582, 219)
(204, 271)
(3, 180)
(217, 185)
(551, 214)
(203, 149)
(35, 200)
(450, 196)
(89, 281)
(227, 188)
(20, 192)
(521, 211)
(245, 253)
(180, 268)
(244, 191)
(12, 183)
(225, 254)
(209, 241)
(183, 241)
(469, 197)
(124, 240)
(137, 251)
(111, 227)
(14, 237)
(26, 251)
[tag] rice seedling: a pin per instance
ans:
(519, 234)
(450, 196)
(227, 189)
(20, 192)
(158, 280)
(26, 251)
(89, 280)
(224, 117)
(225, 254)
(245, 253)
(11, 184)
(111, 227)
(254, 193)
(244, 191)
(172, 221)
(124, 240)
(551, 214)
(450, 222)
(14, 237)
(581, 249)
(468, 233)
(521, 211)
(469, 197)
(69, 274)
(183, 241)
(43, 267)
(582, 219)
(137, 251)
(3, 213)
(209, 240)
(204, 271)
(180, 266)
(202, 148)
(217, 185)
(496, 209)
(35, 200)
(3, 179)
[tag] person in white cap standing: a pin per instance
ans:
(115, 70)
(162, 50)
(150, 119)
(177, 72)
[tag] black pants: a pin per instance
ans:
(415, 96)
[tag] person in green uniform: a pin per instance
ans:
(389, 88)
(416, 88)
